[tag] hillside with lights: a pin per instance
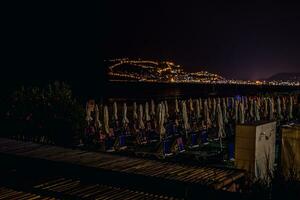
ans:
(156, 71)
(127, 70)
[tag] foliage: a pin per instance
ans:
(51, 114)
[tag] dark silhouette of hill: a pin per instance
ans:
(286, 76)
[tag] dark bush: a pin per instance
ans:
(49, 114)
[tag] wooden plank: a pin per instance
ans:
(122, 164)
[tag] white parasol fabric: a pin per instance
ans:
(209, 103)
(279, 114)
(266, 112)
(106, 119)
(291, 108)
(115, 111)
(206, 114)
(161, 120)
(135, 116)
(200, 104)
(152, 112)
(271, 107)
(185, 116)
(176, 106)
(198, 112)
(88, 110)
(214, 109)
(256, 111)
(236, 111)
(147, 116)
(220, 122)
(284, 106)
(251, 111)
(242, 113)
(125, 119)
(140, 117)
(191, 105)
(225, 117)
(246, 103)
(166, 109)
(97, 120)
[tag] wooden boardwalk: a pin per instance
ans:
(11, 194)
(214, 178)
(75, 189)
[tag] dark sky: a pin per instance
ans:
(45, 41)
(246, 41)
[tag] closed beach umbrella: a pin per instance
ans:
(236, 111)
(246, 103)
(206, 113)
(106, 119)
(161, 118)
(191, 105)
(279, 114)
(97, 120)
(135, 116)
(125, 119)
(251, 111)
(152, 112)
(225, 117)
(291, 108)
(227, 102)
(214, 109)
(176, 106)
(256, 110)
(198, 112)
(265, 108)
(185, 116)
(284, 106)
(88, 110)
(200, 104)
(166, 109)
(232, 103)
(220, 125)
(220, 122)
(115, 111)
(242, 113)
(218, 100)
(209, 103)
(140, 117)
(271, 107)
(147, 116)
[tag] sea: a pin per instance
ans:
(137, 91)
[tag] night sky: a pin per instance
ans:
(44, 41)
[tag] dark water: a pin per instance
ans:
(141, 91)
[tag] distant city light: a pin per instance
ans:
(167, 72)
